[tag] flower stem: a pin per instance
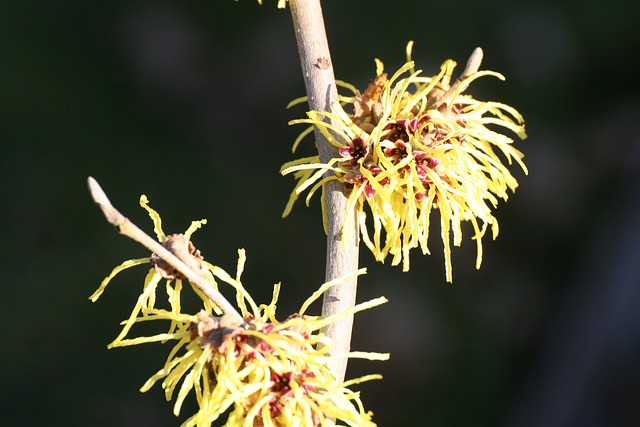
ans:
(125, 227)
(342, 251)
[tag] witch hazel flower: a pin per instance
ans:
(268, 373)
(411, 144)
(264, 372)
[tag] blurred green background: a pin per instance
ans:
(184, 101)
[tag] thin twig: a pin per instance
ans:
(342, 253)
(125, 227)
(459, 86)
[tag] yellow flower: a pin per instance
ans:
(412, 144)
(265, 373)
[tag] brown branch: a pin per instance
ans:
(342, 253)
(129, 229)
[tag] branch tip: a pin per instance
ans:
(461, 84)
(473, 63)
(100, 198)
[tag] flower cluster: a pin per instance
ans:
(264, 372)
(412, 144)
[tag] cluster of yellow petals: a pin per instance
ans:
(413, 144)
(266, 373)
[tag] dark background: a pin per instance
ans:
(184, 101)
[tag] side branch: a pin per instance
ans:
(129, 229)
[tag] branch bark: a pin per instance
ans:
(342, 253)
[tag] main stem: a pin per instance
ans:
(342, 252)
